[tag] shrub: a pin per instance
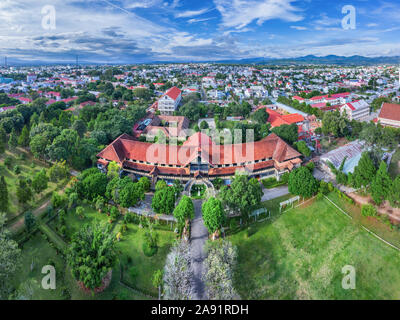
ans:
(63, 231)
(369, 210)
(8, 162)
(114, 213)
(150, 246)
(133, 272)
(311, 166)
(17, 169)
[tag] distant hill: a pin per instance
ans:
(310, 59)
(306, 60)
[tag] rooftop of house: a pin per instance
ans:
(390, 111)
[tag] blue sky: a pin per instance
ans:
(135, 31)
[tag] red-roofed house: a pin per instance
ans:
(24, 100)
(390, 115)
(276, 119)
(355, 110)
(169, 102)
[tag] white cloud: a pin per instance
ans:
(300, 28)
(199, 20)
(240, 13)
(129, 4)
(191, 13)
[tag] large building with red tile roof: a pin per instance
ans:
(390, 115)
(200, 157)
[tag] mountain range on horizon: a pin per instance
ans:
(305, 60)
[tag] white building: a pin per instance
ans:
(169, 102)
(31, 77)
(355, 110)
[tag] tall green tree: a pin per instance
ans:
(364, 172)
(302, 183)
(24, 192)
(243, 195)
(80, 127)
(213, 216)
(91, 254)
(113, 170)
(145, 182)
(184, 211)
(58, 171)
(157, 281)
(2, 147)
(3, 195)
(381, 186)
(3, 135)
(394, 195)
(40, 181)
(30, 221)
(289, 133)
(130, 194)
(10, 257)
(13, 139)
(261, 116)
(23, 139)
(164, 200)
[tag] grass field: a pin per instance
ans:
(29, 167)
(300, 255)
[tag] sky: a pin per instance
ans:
(140, 31)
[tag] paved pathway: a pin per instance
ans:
(199, 236)
(270, 194)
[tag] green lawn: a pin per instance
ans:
(38, 252)
(300, 254)
(29, 167)
(394, 168)
(132, 256)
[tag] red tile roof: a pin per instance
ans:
(277, 119)
(173, 93)
(390, 111)
(124, 149)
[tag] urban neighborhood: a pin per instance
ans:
(150, 169)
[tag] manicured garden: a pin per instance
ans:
(137, 268)
(38, 252)
(198, 191)
(300, 255)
